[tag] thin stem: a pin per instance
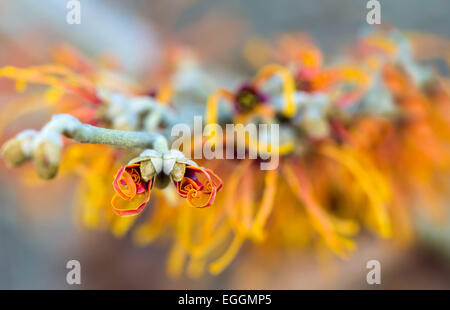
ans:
(72, 128)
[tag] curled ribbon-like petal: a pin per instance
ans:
(199, 186)
(132, 192)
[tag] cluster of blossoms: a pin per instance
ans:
(134, 181)
(363, 143)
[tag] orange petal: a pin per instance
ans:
(133, 206)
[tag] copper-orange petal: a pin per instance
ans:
(132, 193)
(199, 186)
(187, 185)
(123, 182)
(216, 181)
(132, 206)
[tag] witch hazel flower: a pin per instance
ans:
(198, 185)
(134, 181)
(132, 191)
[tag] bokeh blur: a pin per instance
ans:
(38, 233)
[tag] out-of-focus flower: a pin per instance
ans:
(249, 99)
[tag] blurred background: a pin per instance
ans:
(37, 231)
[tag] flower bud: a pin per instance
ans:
(46, 158)
(13, 152)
